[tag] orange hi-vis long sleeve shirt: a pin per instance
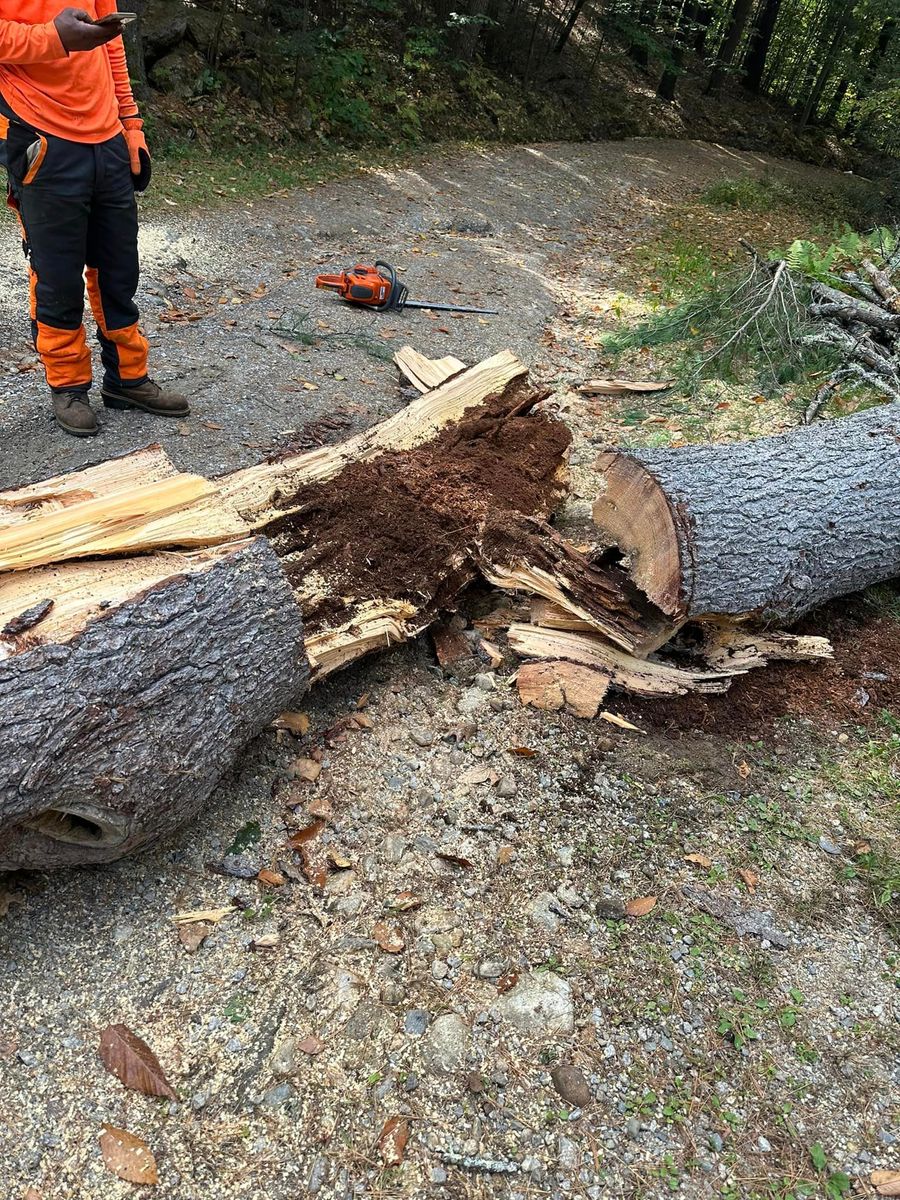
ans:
(83, 96)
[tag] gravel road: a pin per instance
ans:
(469, 967)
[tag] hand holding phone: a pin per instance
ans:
(79, 32)
(116, 18)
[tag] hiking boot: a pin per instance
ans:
(149, 397)
(74, 414)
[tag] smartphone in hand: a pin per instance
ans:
(117, 18)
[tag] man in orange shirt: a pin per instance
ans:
(72, 141)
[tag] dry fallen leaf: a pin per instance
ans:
(523, 751)
(268, 941)
(407, 902)
(128, 1157)
(193, 934)
(306, 769)
(640, 906)
(508, 981)
(270, 878)
(311, 1045)
(307, 834)
(504, 854)
(702, 860)
(131, 1060)
(750, 878)
(296, 722)
(32, 1194)
(456, 860)
(392, 1141)
(744, 769)
(886, 1183)
(389, 937)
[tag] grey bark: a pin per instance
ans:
(777, 526)
(124, 731)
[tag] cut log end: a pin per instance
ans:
(635, 516)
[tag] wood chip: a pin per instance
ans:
(701, 860)
(311, 1045)
(296, 722)
(128, 1157)
(615, 719)
(557, 684)
(609, 387)
(305, 769)
(203, 914)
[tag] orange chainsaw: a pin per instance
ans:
(378, 287)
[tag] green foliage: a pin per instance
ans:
(748, 193)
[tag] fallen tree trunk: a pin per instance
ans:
(151, 621)
(766, 529)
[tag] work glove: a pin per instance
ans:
(137, 152)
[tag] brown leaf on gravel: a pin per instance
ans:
(306, 769)
(296, 722)
(311, 1045)
(193, 934)
(750, 878)
(339, 859)
(862, 847)
(271, 878)
(640, 906)
(455, 860)
(127, 1156)
(407, 902)
(307, 834)
(524, 751)
(314, 864)
(702, 860)
(504, 854)
(32, 1194)
(507, 982)
(360, 720)
(473, 775)
(388, 937)
(392, 1141)
(319, 807)
(744, 769)
(131, 1060)
(886, 1183)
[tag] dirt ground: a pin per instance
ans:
(469, 966)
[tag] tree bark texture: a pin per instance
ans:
(769, 528)
(759, 43)
(120, 734)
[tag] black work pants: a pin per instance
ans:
(78, 211)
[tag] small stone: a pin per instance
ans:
(507, 787)
(569, 1157)
(416, 1022)
(485, 682)
(571, 1084)
(565, 855)
(474, 1082)
(394, 846)
(539, 1004)
(284, 1057)
(317, 1175)
(828, 845)
(715, 1142)
(422, 737)
(438, 1175)
(765, 1146)
(446, 1044)
(439, 969)
(540, 911)
(233, 1046)
(633, 1128)
(412, 1082)
(491, 968)
(278, 1094)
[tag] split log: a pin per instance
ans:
(119, 734)
(427, 373)
(766, 529)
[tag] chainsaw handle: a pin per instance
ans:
(335, 282)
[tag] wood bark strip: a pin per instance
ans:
(641, 677)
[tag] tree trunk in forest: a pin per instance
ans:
(134, 50)
(639, 51)
(771, 527)
(759, 44)
(468, 35)
(879, 51)
(730, 42)
(566, 32)
(827, 69)
(705, 16)
(526, 79)
(672, 73)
